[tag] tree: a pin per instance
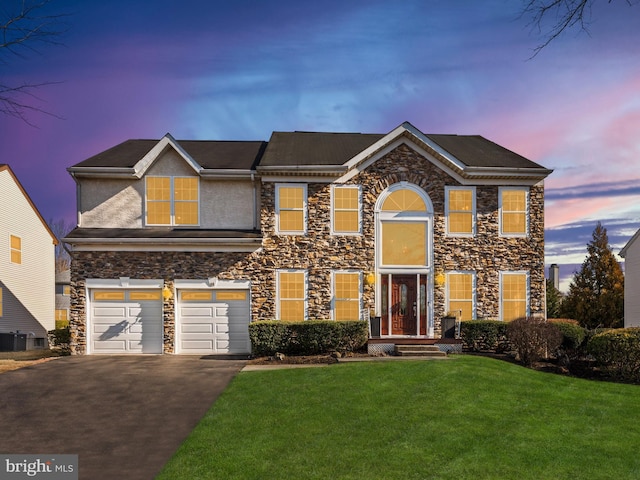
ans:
(596, 293)
(60, 229)
(563, 15)
(554, 300)
(24, 28)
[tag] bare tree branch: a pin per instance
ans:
(24, 29)
(562, 14)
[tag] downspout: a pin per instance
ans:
(255, 201)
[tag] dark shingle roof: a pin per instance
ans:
(242, 155)
(315, 148)
(168, 233)
(477, 151)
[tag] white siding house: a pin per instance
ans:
(631, 254)
(27, 264)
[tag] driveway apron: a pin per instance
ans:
(124, 416)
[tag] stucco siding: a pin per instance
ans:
(108, 203)
(28, 287)
(632, 286)
(115, 203)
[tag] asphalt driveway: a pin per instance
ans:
(124, 416)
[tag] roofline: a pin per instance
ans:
(165, 244)
(6, 167)
(623, 251)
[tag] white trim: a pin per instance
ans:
(305, 207)
(208, 284)
(145, 162)
(306, 289)
(172, 203)
(333, 290)
(333, 231)
(503, 273)
(447, 297)
(448, 189)
(526, 212)
(123, 282)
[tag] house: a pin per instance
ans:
(27, 269)
(180, 244)
(63, 296)
(631, 254)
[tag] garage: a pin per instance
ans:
(213, 321)
(124, 321)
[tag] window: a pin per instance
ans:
(291, 203)
(66, 290)
(404, 243)
(108, 295)
(345, 202)
(461, 294)
(514, 292)
(145, 295)
(346, 295)
(460, 205)
(16, 249)
(291, 295)
(61, 315)
(513, 211)
(404, 226)
(172, 201)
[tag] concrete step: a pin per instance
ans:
(419, 351)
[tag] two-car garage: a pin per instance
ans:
(126, 317)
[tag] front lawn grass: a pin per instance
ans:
(466, 418)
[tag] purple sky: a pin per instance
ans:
(203, 69)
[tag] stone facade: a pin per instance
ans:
(319, 253)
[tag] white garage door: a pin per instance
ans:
(214, 322)
(126, 321)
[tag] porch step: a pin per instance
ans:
(419, 351)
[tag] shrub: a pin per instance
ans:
(311, 337)
(533, 338)
(573, 336)
(484, 335)
(618, 351)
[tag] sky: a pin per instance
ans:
(222, 70)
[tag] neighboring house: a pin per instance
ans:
(63, 295)
(631, 254)
(27, 271)
(180, 244)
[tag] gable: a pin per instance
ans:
(21, 193)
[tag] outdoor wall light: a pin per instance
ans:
(439, 279)
(166, 293)
(370, 278)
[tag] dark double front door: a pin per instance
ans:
(403, 306)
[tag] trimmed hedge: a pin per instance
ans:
(311, 337)
(484, 336)
(573, 335)
(618, 351)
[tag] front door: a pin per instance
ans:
(404, 307)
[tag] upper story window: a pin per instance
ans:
(513, 211)
(346, 295)
(291, 295)
(15, 246)
(461, 294)
(514, 294)
(404, 227)
(460, 207)
(172, 201)
(291, 208)
(345, 209)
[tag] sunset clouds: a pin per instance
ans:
(239, 70)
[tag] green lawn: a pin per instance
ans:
(466, 418)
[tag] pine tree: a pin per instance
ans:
(554, 300)
(596, 293)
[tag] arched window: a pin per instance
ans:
(404, 229)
